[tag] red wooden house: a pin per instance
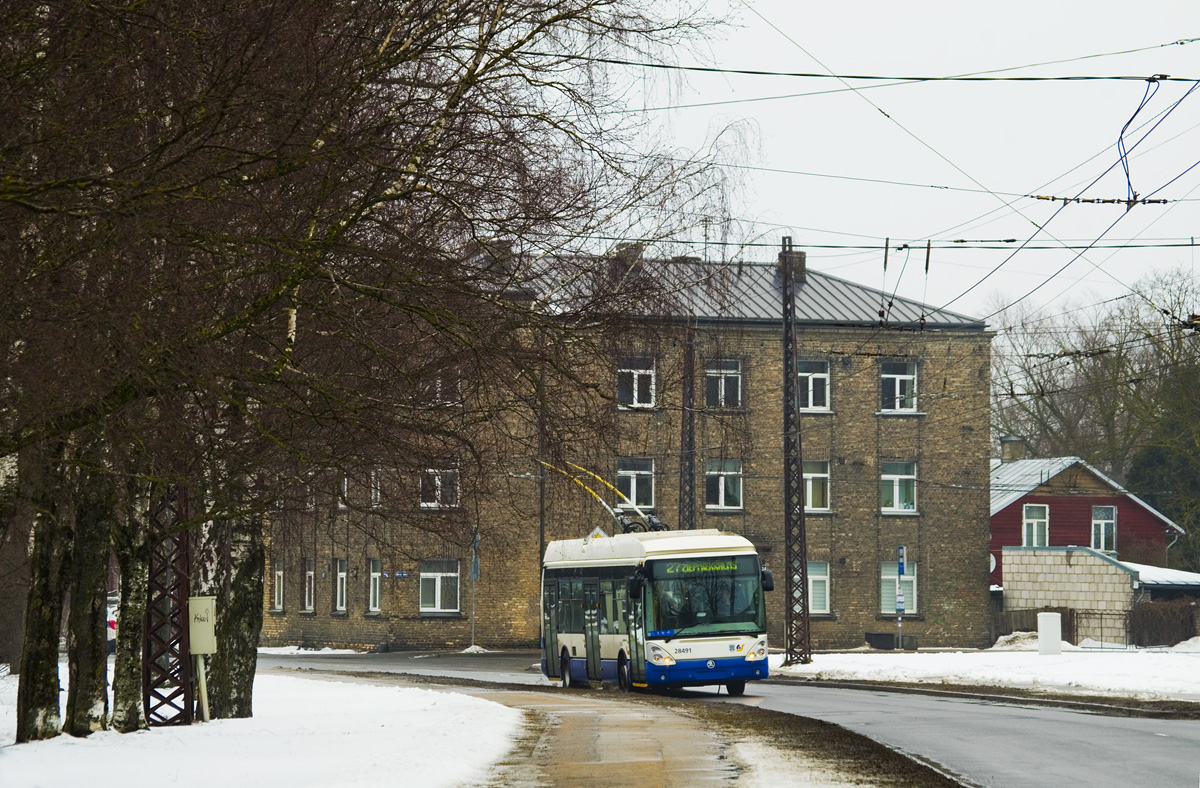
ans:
(1064, 501)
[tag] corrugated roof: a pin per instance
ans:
(1012, 480)
(751, 293)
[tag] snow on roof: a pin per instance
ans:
(1012, 480)
(1161, 576)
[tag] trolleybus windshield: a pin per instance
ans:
(705, 596)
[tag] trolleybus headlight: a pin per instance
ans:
(757, 651)
(659, 656)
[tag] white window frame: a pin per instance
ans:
(719, 375)
(731, 492)
(439, 575)
(375, 483)
(277, 590)
(818, 577)
(339, 585)
(898, 389)
(634, 475)
(374, 584)
(638, 369)
(1034, 526)
(896, 478)
(1102, 527)
(889, 586)
(343, 502)
(814, 476)
(440, 488)
(811, 381)
(310, 580)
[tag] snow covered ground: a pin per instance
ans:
(305, 732)
(309, 731)
(1149, 674)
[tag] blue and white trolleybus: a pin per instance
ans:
(656, 609)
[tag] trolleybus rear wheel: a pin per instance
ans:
(564, 668)
(624, 680)
(736, 687)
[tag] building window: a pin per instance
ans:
(635, 382)
(818, 587)
(891, 583)
(339, 585)
(814, 385)
(635, 481)
(816, 485)
(899, 385)
(439, 586)
(376, 484)
(1104, 527)
(439, 489)
(309, 583)
(723, 384)
(723, 484)
(1036, 532)
(898, 487)
(277, 597)
(375, 571)
(343, 496)
(446, 388)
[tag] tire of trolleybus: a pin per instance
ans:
(625, 680)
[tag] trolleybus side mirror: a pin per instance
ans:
(634, 586)
(768, 580)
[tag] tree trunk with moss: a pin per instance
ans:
(37, 692)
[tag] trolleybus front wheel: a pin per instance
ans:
(564, 669)
(736, 687)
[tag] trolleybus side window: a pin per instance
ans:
(570, 605)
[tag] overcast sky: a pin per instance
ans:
(965, 149)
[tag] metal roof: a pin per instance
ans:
(1012, 480)
(751, 293)
(1161, 577)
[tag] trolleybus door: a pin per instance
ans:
(635, 613)
(591, 625)
(550, 627)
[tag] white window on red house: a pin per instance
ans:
(1036, 530)
(1104, 527)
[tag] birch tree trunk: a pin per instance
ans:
(239, 622)
(37, 692)
(87, 641)
(133, 556)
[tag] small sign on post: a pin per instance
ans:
(202, 639)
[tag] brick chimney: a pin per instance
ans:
(1012, 447)
(797, 260)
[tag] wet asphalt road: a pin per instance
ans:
(1001, 744)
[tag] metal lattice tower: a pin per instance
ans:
(687, 438)
(799, 641)
(166, 662)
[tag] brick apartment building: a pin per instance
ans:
(894, 401)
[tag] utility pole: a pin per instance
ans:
(687, 438)
(799, 641)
